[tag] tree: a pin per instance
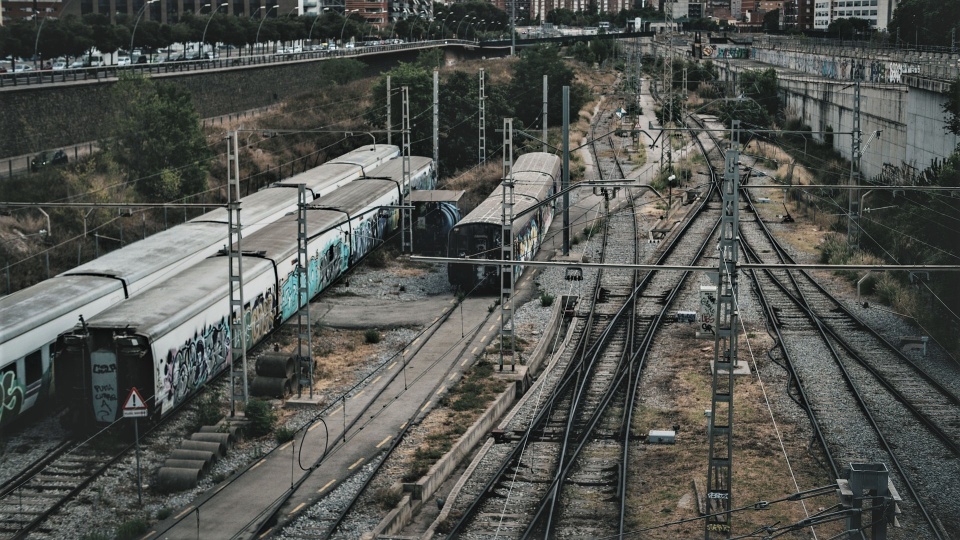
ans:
(156, 138)
(925, 22)
(952, 108)
(761, 86)
(771, 21)
(848, 28)
(525, 88)
(419, 81)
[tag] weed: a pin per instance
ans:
(261, 416)
(283, 434)
(96, 535)
(387, 499)
(131, 529)
(371, 336)
(546, 299)
(209, 410)
(164, 513)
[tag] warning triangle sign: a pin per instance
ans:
(134, 401)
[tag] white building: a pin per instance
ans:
(877, 12)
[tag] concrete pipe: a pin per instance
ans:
(275, 365)
(235, 432)
(195, 455)
(213, 437)
(275, 387)
(217, 448)
(199, 464)
(170, 479)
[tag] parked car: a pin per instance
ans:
(48, 158)
(22, 68)
(123, 60)
(76, 64)
(59, 65)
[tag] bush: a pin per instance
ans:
(371, 336)
(164, 513)
(261, 416)
(131, 529)
(283, 434)
(209, 411)
(546, 300)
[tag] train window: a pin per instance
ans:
(33, 367)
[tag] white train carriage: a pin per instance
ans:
(536, 176)
(31, 319)
(171, 339)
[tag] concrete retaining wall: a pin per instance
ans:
(37, 118)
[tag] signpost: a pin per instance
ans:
(135, 407)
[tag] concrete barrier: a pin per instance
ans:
(170, 479)
(194, 455)
(219, 449)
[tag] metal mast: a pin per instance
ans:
(238, 341)
(853, 203)
(406, 231)
(304, 361)
(436, 121)
(545, 113)
(506, 246)
(389, 114)
(720, 463)
(482, 131)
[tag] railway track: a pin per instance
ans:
(887, 409)
(560, 467)
(37, 492)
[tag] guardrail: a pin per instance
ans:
(47, 77)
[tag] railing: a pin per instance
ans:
(46, 77)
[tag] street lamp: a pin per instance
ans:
(267, 12)
(476, 26)
(203, 38)
(346, 17)
(134, 32)
(317, 18)
(456, 34)
(443, 25)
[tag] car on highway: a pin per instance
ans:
(60, 65)
(123, 60)
(76, 64)
(22, 68)
(44, 159)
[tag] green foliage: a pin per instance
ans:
(96, 535)
(283, 434)
(132, 529)
(156, 138)
(164, 513)
(582, 53)
(924, 22)
(848, 28)
(261, 416)
(952, 108)
(209, 409)
(546, 299)
(430, 58)
(525, 93)
(371, 336)
(340, 71)
(761, 86)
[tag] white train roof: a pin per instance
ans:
(534, 175)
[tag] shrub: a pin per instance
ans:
(209, 411)
(371, 336)
(164, 513)
(283, 434)
(546, 300)
(131, 529)
(261, 416)
(387, 499)
(96, 536)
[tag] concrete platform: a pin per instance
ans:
(742, 368)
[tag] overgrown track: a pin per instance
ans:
(888, 410)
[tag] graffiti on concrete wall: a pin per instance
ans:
(712, 51)
(836, 67)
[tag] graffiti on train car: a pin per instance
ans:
(12, 393)
(103, 380)
(368, 234)
(258, 318)
(325, 266)
(527, 241)
(189, 366)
